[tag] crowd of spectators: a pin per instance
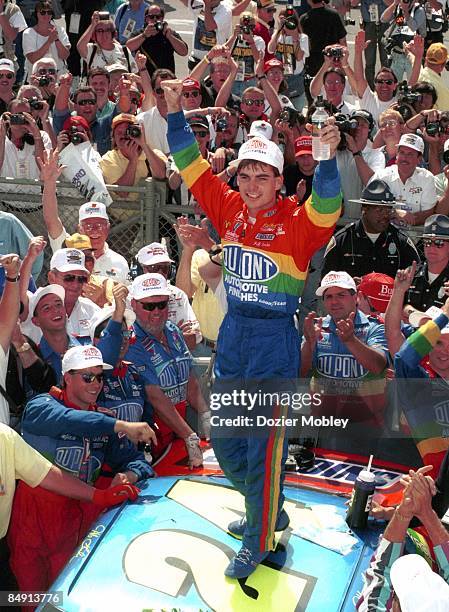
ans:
(90, 94)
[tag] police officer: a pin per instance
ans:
(371, 244)
(427, 288)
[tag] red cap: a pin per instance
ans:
(303, 146)
(273, 63)
(75, 120)
(190, 84)
(378, 288)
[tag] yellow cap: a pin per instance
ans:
(436, 54)
(78, 241)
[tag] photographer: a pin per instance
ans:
(44, 76)
(7, 76)
(332, 78)
(291, 47)
(435, 132)
(391, 128)
(131, 159)
(105, 50)
(212, 25)
(435, 61)
(407, 18)
(245, 48)
(157, 41)
(39, 109)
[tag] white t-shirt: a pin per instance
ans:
(105, 57)
(155, 128)
(223, 18)
(371, 103)
(4, 408)
(78, 324)
(32, 41)
(21, 164)
(418, 192)
(220, 294)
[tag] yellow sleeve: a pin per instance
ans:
(30, 466)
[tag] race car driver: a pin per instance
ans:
(69, 428)
(267, 242)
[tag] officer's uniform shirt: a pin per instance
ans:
(352, 250)
(423, 294)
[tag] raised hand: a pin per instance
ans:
(172, 91)
(49, 167)
(345, 328)
(36, 246)
(312, 328)
(404, 278)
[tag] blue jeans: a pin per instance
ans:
(400, 64)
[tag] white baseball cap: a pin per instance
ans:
(106, 313)
(262, 150)
(417, 586)
(412, 141)
(152, 254)
(7, 64)
(336, 279)
(42, 292)
(80, 357)
(92, 209)
(68, 260)
(149, 285)
(261, 128)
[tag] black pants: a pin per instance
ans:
(7, 580)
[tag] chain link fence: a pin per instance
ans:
(134, 222)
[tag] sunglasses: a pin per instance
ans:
(391, 123)
(43, 71)
(8, 76)
(159, 91)
(154, 305)
(427, 242)
(102, 31)
(153, 17)
(89, 377)
(201, 133)
(160, 267)
(86, 102)
(254, 102)
(70, 278)
(190, 94)
(385, 81)
(46, 12)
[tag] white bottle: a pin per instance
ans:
(320, 150)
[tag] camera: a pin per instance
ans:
(289, 115)
(74, 136)
(104, 15)
(446, 157)
(133, 131)
(336, 52)
(36, 104)
(345, 124)
(433, 128)
(406, 98)
(159, 25)
(291, 19)
(221, 124)
(246, 27)
(44, 81)
(17, 119)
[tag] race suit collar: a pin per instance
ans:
(61, 396)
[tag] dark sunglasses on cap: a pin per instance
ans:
(191, 94)
(89, 377)
(70, 278)
(385, 81)
(427, 242)
(89, 102)
(153, 305)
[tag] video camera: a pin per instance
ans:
(345, 125)
(334, 52)
(291, 19)
(406, 99)
(289, 115)
(17, 119)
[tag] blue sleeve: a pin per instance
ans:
(45, 416)
(376, 339)
(58, 119)
(122, 455)
(110, 342)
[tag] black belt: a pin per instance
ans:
(208, 343)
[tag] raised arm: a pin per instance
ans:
(50, 171)
(81, 45)
(393, 314)
(10, 300)
(360, 44)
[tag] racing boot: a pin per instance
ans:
(237, 528)
(245, 562)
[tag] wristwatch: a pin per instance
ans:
(24, 348)
(357, 153)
